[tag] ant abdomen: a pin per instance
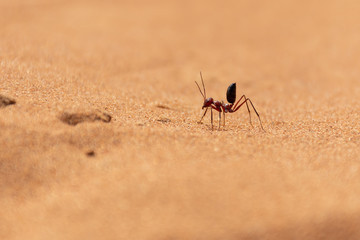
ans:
(231, 93)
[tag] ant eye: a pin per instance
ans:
(231, 93)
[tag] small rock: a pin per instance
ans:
(5, 101)
(90, 153)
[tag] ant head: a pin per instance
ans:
(208, 102)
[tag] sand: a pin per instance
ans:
(102, 141)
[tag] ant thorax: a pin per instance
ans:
(217, 103)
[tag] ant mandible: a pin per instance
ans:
(222, 107)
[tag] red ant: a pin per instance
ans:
(222, 107)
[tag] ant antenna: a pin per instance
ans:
(200, 90)
(203, 84)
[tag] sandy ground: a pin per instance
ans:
(101, 140)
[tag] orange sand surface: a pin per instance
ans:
(99, 132)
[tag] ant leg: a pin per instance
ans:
(224, 118)
(203, 115)
(212, 126)
(217, 108)
(247, 106)
(219, 120)
(256, 114)
(248, 99)
(243, 96)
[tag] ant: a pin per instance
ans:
(222, 107)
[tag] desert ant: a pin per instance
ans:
(222, 107)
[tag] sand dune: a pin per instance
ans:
(99, 120)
